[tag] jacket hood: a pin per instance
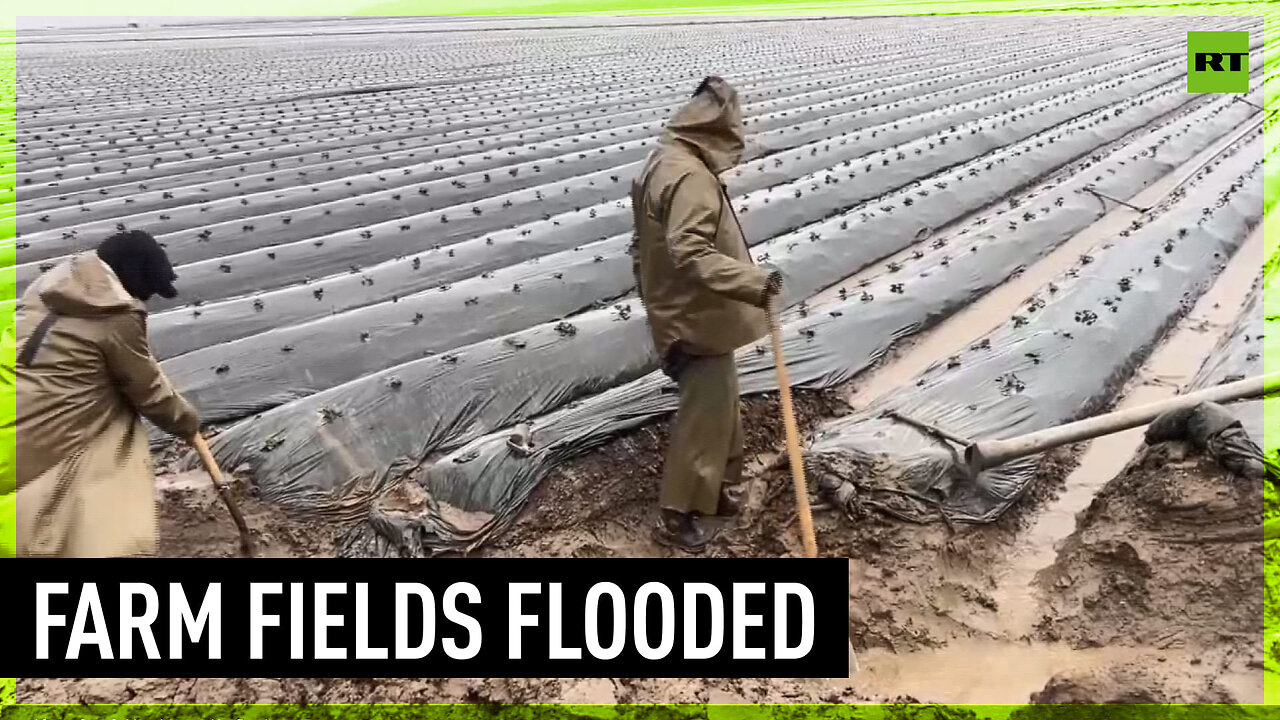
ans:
(85, 286)
(711, 124)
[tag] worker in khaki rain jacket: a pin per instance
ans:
(84, 378)
(704, 298)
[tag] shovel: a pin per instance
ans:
(793, 451)
(224, 491)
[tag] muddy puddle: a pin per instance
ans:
(979, 671)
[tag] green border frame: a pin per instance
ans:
(638, 8)
(8, 258)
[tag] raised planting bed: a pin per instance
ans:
(229, 149)
(1240, 354)
(1063, 356)
(825, 347)
(238, 378)
(347, 192)
(289, 455)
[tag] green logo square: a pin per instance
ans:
(1218, 62)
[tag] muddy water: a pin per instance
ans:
(984, 671)
(194, 480)
(963, 671)
(978, 671)
(1170, 367)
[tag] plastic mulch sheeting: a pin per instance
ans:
(826, 347)
(290, 448)
(1232, 434)
(1239, 355)
(499, 229)
(236, 379)
(381, 238)
(1063, 357)
(1213, 430)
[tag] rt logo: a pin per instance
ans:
(1218, 62)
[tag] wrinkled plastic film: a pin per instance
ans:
(1238, 355)
(826, 348)
(321, 204)
(246, 376)
(512, 237)
(1063, 356)
(250, 442)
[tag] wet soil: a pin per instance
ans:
(195, 522)
(1168, 556)
(1143, 602)
(1135, 606)
(616, 486)
(1132, 610)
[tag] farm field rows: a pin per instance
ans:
(396, 243)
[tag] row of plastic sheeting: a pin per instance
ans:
(499, 231)
(458, 135)
(780, 111)
(1239, 355)
(317, 242)
(236, 379)
(286, 452)
(1063, 356)
(358, 156)
(1233, 435)
(827, 345)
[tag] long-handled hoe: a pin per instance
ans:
(793, 451)
(793, 437)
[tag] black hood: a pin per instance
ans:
(140, 263)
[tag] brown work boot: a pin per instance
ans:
(727, 507)
(681, 531)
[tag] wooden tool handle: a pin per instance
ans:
(793, 436)
(206, 458)
(224, 491)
